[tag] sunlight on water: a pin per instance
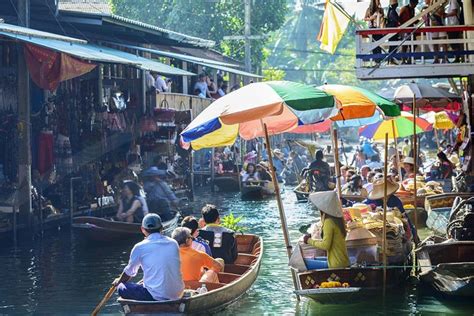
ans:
(59, 274)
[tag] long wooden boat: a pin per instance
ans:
(227, 182)
(234, 282)
(302, 196)
(104, 230)
(443, 200)
(438, 208)
(448, 267)
(362, 281)
(257, 190)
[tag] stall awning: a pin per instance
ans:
(200, 61)
(146, 63)
(79, 48)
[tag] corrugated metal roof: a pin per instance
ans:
(81, 49)
(117, 19)
(92, 6)
(201, 61)
(146, 63)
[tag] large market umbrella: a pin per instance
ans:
(425, 95)
(281, 105)
(439, 120)
(355, 102)
(400, 126)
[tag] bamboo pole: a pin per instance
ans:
(399, 163)
(281, 210)
(384, 230)
(437, 139)
(415, 159)
(336, 161)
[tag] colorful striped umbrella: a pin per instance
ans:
(281, 105)
(401, 125)
(355, 102)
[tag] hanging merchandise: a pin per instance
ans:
(117, 102)
(163, 113)
(48, 68)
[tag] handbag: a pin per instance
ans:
(164, 114)
(117, 103)
(182, 117)
(148, 124)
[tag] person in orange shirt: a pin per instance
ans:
(195, 265)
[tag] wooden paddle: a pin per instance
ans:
(104, 300)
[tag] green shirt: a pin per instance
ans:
(334, 243)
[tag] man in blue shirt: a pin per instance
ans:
(158, 257)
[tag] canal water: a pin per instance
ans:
(57, 274)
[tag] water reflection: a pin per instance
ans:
(59, 274)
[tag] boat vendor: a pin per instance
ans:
(158, 257)
(198, 243)
(195, 265)
(333, 229)
(376, 197)
(221, 239)
(319, 173)
(132, 206)
(159, 195)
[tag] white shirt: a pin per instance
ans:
(221, 92)
(453, 20)
(158, 256)
(202, 86)
(160, 84)
(150, 81)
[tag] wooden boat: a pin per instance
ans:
(443, 200)
(104, 230)
(227, 182)
(448, 267)
(368, 280)
(302, 197)
(438, 208)
(257, 190)
(234, 282)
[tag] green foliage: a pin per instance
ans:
(232, 222)
(210, 19)
(271, 74)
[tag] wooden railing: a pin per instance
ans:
(413, 47)
(183, 102)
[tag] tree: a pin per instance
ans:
(210, 20)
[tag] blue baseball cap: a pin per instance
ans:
(152, 221)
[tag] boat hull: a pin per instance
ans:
(103, 230)
(448, 267)
(212, 301)
(227, 183)
(362, 279)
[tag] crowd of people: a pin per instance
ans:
(196, 252)
(452, 16)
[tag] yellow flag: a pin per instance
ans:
(332, 29)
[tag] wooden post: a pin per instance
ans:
(384, 229)
(213, 170)
(435, 131)
(415, 159)
(399, 163)
(337, 169)
(281, 210)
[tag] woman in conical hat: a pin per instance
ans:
(333, 229)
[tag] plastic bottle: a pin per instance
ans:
(202, 289)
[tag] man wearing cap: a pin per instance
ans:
(159, 195)
(158, 257)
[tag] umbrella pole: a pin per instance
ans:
(337, 169)
(437, 139)
(415, 159)
(384, 230)
(281, 210)
(399, 164)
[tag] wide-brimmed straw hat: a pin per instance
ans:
(327, 202)
(409, 160)
(378, 189)
(263, 164)
(277, 152)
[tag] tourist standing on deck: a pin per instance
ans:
(159, 195)
(158, 257)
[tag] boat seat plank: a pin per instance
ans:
(245, 259)
(194, 285)
(236, 268)
(226, 277)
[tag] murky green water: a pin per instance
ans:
(59, 275)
